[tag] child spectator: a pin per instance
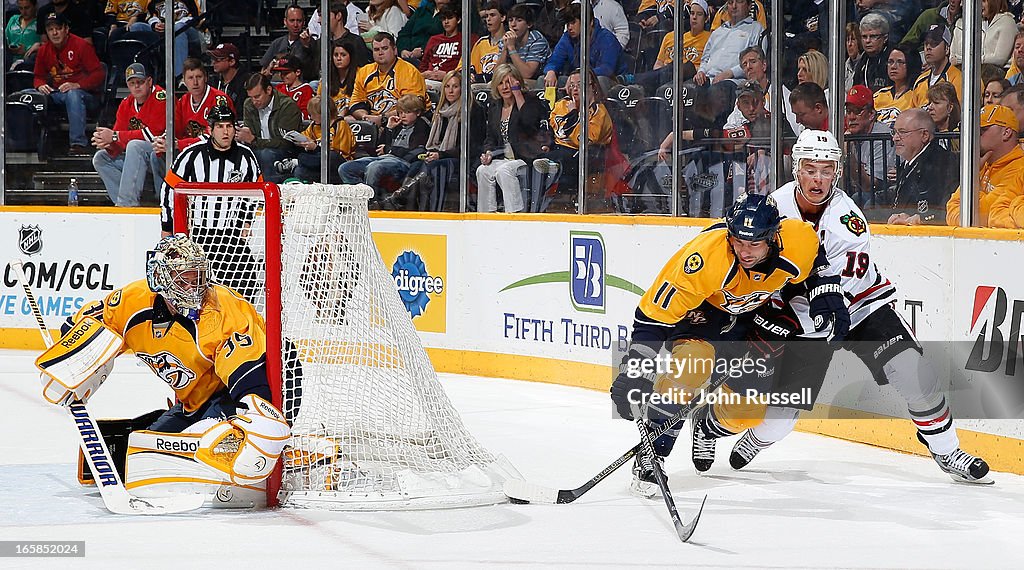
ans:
(292, 85)
(306, 166)
(444, 51)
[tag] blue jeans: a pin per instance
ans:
(375, 171)
(268, 156)
(77, 103)
(125, 175)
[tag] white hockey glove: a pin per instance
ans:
(245, 448)
(77, 364)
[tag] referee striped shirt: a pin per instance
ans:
(201, 162)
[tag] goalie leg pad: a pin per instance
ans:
(75, 366)
(245, 448)
(161, 464)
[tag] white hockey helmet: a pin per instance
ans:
(179, 271)
(817, 146)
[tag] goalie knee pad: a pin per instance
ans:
(76, 365)
(245, 448)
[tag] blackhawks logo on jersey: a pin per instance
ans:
(134, 124)
(854, 223)
(194, 129)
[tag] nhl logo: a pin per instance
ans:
(30, 240)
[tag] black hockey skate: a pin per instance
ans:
(746, 449)
(962, 466)
(703, 451)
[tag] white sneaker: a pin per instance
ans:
(286, 165)
(546, 166)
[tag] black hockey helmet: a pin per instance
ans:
(754, 217)
(220, 114)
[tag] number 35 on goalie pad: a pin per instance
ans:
(76, 365)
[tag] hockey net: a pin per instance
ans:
(371, 426)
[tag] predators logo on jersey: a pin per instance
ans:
(739, 304)
(383, 99)
(169, 368)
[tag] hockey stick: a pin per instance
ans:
(684, 531)
(116, 498)
(522, 491)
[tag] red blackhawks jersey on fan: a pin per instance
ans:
(136, 121)
(300, 94)
(846, 238)
(190, 123)
(443, 53)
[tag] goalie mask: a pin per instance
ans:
(817, 146)
(177, 270)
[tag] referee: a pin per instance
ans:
(219, 225)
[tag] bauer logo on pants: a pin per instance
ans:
(418, 264)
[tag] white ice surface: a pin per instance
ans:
(809, 502)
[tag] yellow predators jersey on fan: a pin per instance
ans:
(377, 92)
(706, 269)
(195, 359)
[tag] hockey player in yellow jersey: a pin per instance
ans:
(702, 305)
(209, 345)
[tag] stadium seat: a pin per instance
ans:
(365, 134)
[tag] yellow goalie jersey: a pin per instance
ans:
(377, 92)
(227, 346)
(706, 270)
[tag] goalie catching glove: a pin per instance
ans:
(76, 365)
(245, 447)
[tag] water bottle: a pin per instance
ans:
(73, 193)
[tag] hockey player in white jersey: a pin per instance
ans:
(878, 335)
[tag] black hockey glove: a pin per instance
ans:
(634, 383)
(828, 309)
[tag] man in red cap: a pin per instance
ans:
(228, 77)
(870, 159)
(292, 85)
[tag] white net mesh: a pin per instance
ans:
(372, 427)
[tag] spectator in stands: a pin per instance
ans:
(229, 79)
(267, 114)
(21, 37)
(1001, 171)
(946, 14)
(565, 125)
(341, 77)
(854, 52)
(807, 23)
(484, 55)
(423, 23)
(547, 19)
(68, 72)
(756, 12)
(605, 51)
(927, 175)
(904, 68)
(402, 140)
(1014, 77)
(126, 152)
(721, 57)
(292, 84)
(353, 14)
(868, 160)
(650, 12)
(755, 67)
(751, 120)
(339, 11)
(382, 16)
(871, 70)
(306, 167)
(939, 68)
(900, 14)
(612, 18)
(522, 46)
(998, 28)
(187, 38)
(944, 109)
(1013, 97)
(191, 109)
(443, 147)
(380, 83)
(517, 134)
(127, 16)
(994, 89)
(289, 44)
(75, 14)
(809, 106)
(690, 52)
(813, 66)
(444, 51)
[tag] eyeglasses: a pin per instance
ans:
(900, 133)
(892, 62)
(872, 37)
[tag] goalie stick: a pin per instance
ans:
(525, 492)
(116, 498)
